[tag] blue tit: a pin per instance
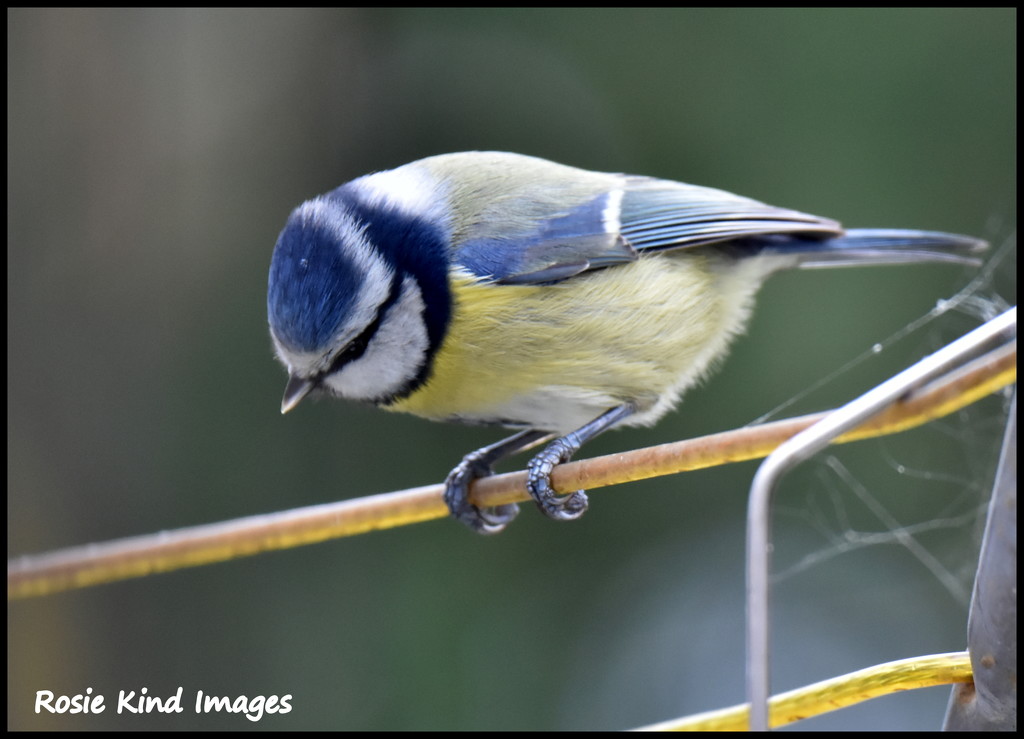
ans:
(497, 288)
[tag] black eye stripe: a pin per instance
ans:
(357, 347)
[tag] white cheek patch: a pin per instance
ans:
(393, 357)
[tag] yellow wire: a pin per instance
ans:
(834, 693)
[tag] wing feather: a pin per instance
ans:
(658, 214)
(616, 225)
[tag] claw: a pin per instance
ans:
(538, 482)
(456, 497)
(478, 464)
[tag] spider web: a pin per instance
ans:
(854, 505)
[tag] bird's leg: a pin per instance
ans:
(538, 481)
(479, 464)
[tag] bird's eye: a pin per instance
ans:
(357, 347)
(353, 351)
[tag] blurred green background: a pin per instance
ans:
(152, 159)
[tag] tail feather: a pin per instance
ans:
(859, 246)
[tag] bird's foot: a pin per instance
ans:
(456, 497)
(538, 482)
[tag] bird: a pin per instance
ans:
(495, 288)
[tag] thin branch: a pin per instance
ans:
(93, 564)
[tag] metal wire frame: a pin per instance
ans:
(803, 446)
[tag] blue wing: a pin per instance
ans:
(669, 215)
(615, 226)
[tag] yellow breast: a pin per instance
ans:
(556, 356)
